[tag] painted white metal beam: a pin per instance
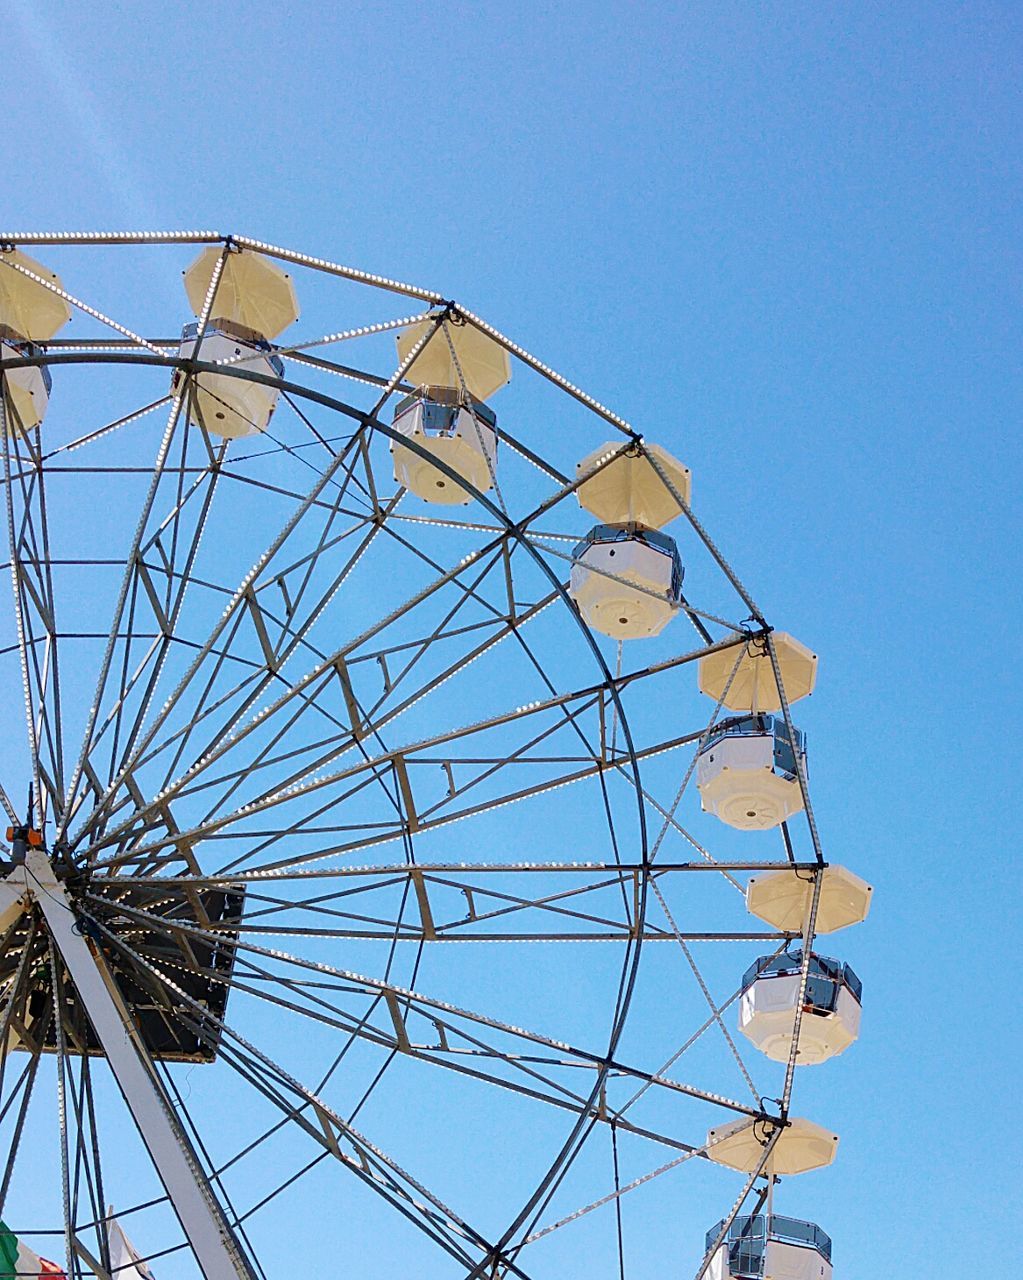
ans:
(216, 1248)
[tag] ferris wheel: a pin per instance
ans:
(410, 861)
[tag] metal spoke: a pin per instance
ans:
(259, 697)
(365, 1159)
(433, 1008)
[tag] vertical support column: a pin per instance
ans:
(213, 1241)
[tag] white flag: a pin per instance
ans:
(125, 1260)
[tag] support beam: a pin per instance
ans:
(214, 1243)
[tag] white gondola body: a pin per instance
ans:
(767, 1014)
(27, 395)
(227, 405)
(740, 784)
(610, 604)
(781, 1262)
(468, 447)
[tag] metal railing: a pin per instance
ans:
(441, 406)
(825, 974)
(760, 725)
(31, 350)
(660, 542)
(749, 1235)
(258, 345)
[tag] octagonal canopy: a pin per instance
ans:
(27, 308)
(484, 363)
(629, 490)
(754, 687)
(802, 1146)
(252, 291)
(782, 898)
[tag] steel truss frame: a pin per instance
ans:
(317, 739)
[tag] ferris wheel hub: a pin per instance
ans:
(114, 1023)
(169, 952)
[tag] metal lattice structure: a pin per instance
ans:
(386, 872)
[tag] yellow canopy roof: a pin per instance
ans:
(754, 687)
(484, 363)
(28, 308)
(629, 489)
(252, 291)
(782, 898)
(802, 1146)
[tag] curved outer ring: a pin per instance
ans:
(631, 967)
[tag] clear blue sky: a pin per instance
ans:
(784, 240)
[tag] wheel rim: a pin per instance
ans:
(193, 775)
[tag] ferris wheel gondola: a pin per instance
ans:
(339, 772)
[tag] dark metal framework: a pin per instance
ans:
(248, 740)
